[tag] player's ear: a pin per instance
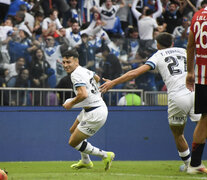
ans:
(76, 59)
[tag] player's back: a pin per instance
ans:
(171, 64)
(199, 29)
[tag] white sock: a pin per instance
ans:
(185, 156)
(85, 158)
(87, 148)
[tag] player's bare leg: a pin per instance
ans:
(77, 140)
(199, 139)
(182, 145)
(85, 161)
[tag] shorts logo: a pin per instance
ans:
(91, 131)
(178, 118)
(83, 123)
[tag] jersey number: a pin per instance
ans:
(200, 33)
(173, 63)
(94, 88)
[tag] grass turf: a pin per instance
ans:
(120, 170)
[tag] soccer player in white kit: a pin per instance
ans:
(171, 64)
(93, 115)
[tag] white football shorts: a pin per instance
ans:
(179, 108)
(90, 122)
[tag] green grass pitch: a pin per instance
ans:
(120, 170)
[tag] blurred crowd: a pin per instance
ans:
(111, 36)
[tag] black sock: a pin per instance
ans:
(197, 152)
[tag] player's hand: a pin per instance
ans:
(67, 106)
(190, 81)
(106, 86)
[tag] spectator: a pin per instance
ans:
(131, 44)
(111, 69)
(74, 37)
(21, 80)
(15, 7)
(88, 4)
(4, 7)
(172, 16)
(115, 46)
(93, 23)
(69, 26)
(203, 4)
(108, 15)
(5, 30)
(51, 24)
(99, 38)
(42, 76)
(130, 98)
(52, 52)
(18, 19)
(125, 15)
(96, 32)
(86, 53)
(146, 27)
(3, 74)
(61, 5)
(180, 34)
(73, 12)
(37, 30)
(20, 45)
(14, 68)
(65, 82)
(190, 8)
(4, 94)
(40, 71)
(139, 15)
(29, 19)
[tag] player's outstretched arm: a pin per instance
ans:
(97, 78)
(124, 78)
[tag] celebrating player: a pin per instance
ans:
(171, 64)
(93, 115)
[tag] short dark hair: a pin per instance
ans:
(70, 53)
(84, 35)
(51, 11)
(165, 39)
(39, 14)
(203, 2)
(149, 12)
(20, 14)
(23, 7)
(105, 48)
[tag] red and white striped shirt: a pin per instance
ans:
(199, 29)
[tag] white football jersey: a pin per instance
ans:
(108, 15)
(84, 77)
(172, 65)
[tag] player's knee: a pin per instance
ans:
(71, 143)
(71, 130)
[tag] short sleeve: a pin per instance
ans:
(77, 80)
